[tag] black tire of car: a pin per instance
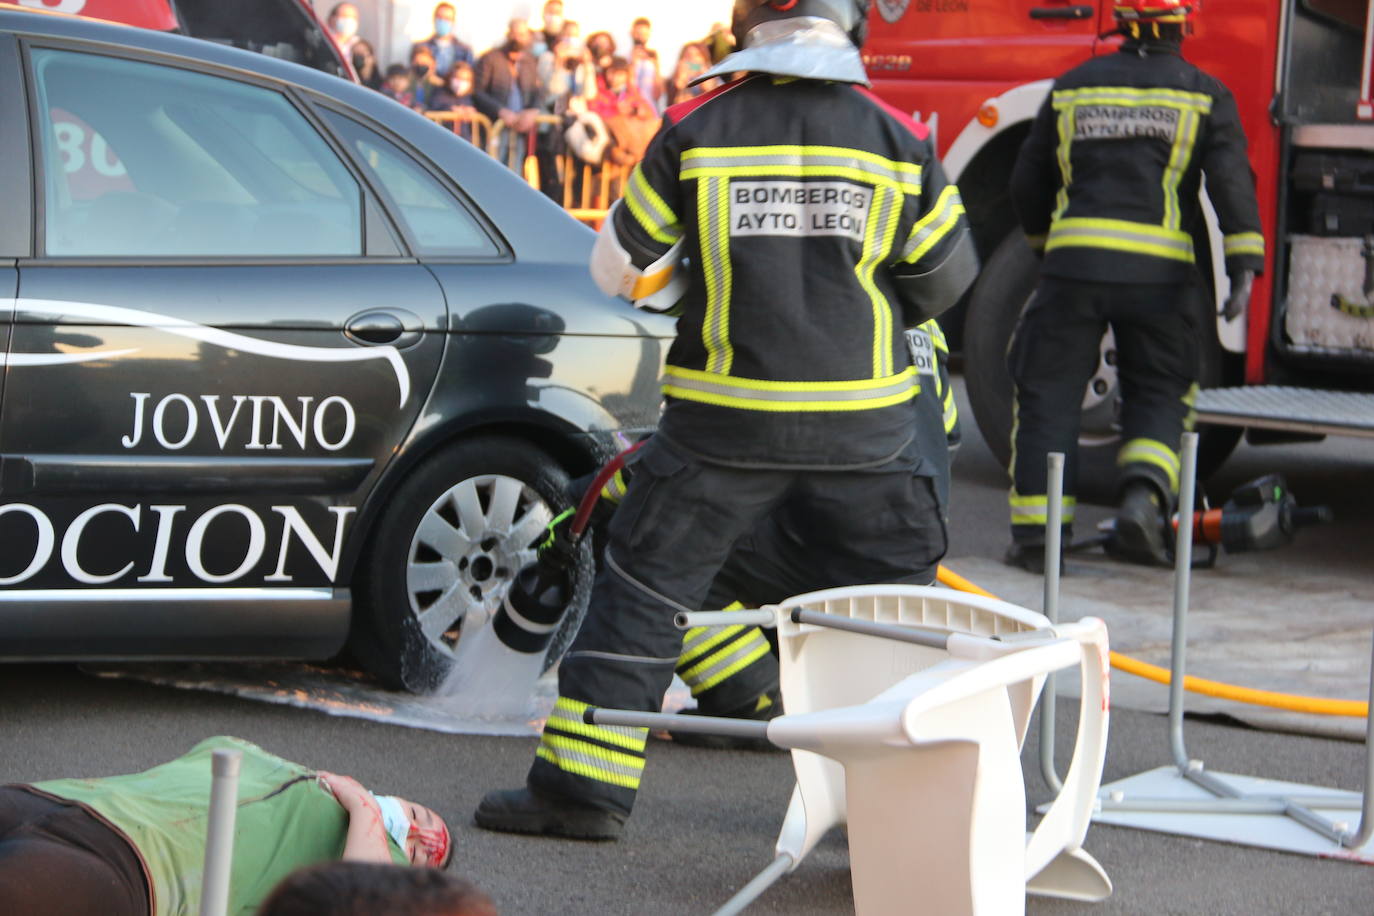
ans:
(386, 636)
(1002, 291)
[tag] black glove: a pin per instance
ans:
(1241, 283)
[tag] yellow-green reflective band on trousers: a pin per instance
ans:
(1190, 401)
(1120, 235)
(1035, 509)
(650, 210)
(713, 217)
(756, 394)
(739, 649)
(1149, 451)
(1243, 243)
(800, 162)
(1199, 102)
(879, 236)
(578, 748)
(934, 226)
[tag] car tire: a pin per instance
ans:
(431, 572)
(1003, 290)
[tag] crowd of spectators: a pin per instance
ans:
(601, 103)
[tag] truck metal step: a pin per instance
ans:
(1298, 410)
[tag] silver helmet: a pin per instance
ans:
(809, 39)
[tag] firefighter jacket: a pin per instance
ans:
(1106, 184)
(817, 224)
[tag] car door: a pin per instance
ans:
(217, 346)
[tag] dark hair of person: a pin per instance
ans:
(642, 20)
(618, 63)
(366, 889)
(397, 70)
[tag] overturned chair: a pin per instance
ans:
(906, 708)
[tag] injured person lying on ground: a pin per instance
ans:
(135, 844)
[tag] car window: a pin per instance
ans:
(437, 221)
(142, 160)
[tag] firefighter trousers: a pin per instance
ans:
(1055, 352)
(679, 522)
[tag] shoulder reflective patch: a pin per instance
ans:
(799, 208)
(1125, 122)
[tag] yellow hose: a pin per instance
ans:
(1293, 703)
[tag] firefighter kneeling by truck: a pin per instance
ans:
(1106, 189)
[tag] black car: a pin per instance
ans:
(286, 364)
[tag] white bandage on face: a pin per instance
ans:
(656, 288)
(394, 818)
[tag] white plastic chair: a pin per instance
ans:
(942, 746)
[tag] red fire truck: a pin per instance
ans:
(1301, 362)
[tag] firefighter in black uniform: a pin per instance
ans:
(1106, 186)
(798, 225)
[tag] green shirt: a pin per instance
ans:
(285, 821)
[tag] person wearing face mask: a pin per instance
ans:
(456, 96)
(343, 27)
(507, 88)
(552, 30)
(135, 844)
(365, 65)
(443, 46)
(425, 82)
(566, 72)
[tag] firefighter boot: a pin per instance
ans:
(1138, 536)
(526, 811)
(768, 706)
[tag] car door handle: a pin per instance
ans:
(1062, 12)
(385, 327)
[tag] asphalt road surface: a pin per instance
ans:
(706, 821)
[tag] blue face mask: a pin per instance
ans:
(394, 819)
(442, 27)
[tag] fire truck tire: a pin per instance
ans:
(1003, 290)
(433, 569)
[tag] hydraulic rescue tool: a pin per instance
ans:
(1261, 515)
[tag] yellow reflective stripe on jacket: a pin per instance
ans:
(1121, 235)
(934, 226)
(1064, 127)
(1179, 157)
(1150, 451)
(1243, 243)
(713, 217)
(1034, 510)
(951, 411)
(650, 210)
(757, 394)
(1181, 99)
(879, 235)
(800, 162)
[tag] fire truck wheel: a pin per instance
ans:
(1003, 290)
(444, 553)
